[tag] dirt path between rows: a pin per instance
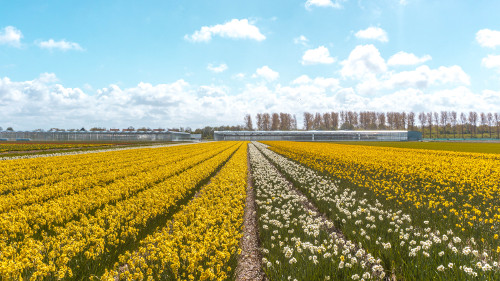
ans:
(249, 262)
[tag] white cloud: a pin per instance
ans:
(62, 45)
(42, 103)
(239, 76)
(404, 58)
(364, 61)
(302, 40)
(303, 79)
(236, 29)
(320, 55)
(491, 61)
(10, 36)
(321, 82)
(373, 33)
(324, 3)
(488, 38)
(47, 78)
(266, 73)
(423, 77)
(217, 69)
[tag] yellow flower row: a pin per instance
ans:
(30, 219)
(88, 175)
(47, 245)
(19, 174)
(201, 242)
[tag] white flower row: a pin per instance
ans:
(298, 239)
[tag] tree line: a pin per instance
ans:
(444, 124)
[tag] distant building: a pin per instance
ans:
(128, 135)
(319, 135)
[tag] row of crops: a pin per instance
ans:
(81, 216)
(6, 147)
(324, 212)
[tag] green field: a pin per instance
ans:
(449, 146)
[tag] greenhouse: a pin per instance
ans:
(98, 136)
(318, 135)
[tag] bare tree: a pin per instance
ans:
(381, 120)
(444, 121)
(335, 120)
(275, 122)
(453, 120)
(390, 119)
(473, 122)
(285, 121)
(463, 122)
(248, 122)
(343, 118)
(429, 121)
(436, 121)
(327, 121)
(497, 123)
(260, 119)
(423, 121)
(266, 122)
(294, 123)
(403, 118)
(410, 121)
(484, 122)
(318, 121)
(308, 121)
(490, 122)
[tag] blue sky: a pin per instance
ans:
(194, 63)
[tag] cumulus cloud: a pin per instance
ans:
(10, 36)
(301, 40)
(320, 82)
(364, 61)
(320, 55)
(421, 78)
(235, 29)
(44, 103)
(266, 73)
(217, 69)
(488, 38)
(324, 3)
(373, 33)
(403, 58)
(491, 61)
(62, 45)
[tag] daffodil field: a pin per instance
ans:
(58, 227)
(323, 211)
(425, 215)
